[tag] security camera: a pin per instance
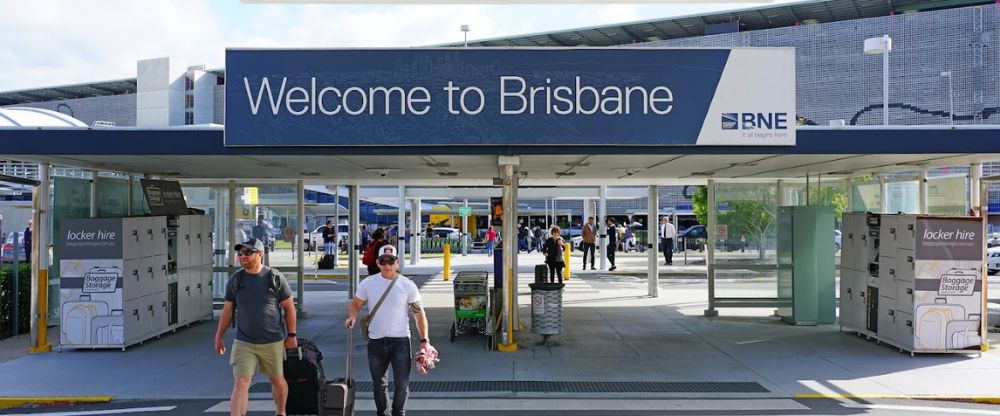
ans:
(630, 173)
(383, 173)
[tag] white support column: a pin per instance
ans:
(131, 194)
(508, 342)
(415, 231)
(299, 247)
(401, 227)
(922, 192)
(652, 231)
(555, 215)
(465, 230)
(978, 199)
(515, 254)
(710, 253)
(354, 275)
(850, 195)
(602, 226)
(587, 210)
(231, 227)
(93, 194)
(781, 193)
(883, 194)
(40, 266)
(336, 226)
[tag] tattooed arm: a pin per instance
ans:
(421, 319)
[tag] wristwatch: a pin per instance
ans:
(424, 341)
(291, 335)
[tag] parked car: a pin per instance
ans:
(692, 237)
(446, 232)
(993, 260)
(993, 240)
(8, 248)
(315, 238)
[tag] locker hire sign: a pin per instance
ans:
(510, 96)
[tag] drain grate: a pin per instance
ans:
(565, 387)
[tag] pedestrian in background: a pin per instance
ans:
(27, 240)
(365, 237)
(553, 250)
(389, 330)
(491, 239)
(667, 235)
(262, 296)
(370, 253)
(612, 242)
(589, 242)
(329, 238)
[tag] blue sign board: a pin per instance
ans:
(483, 96)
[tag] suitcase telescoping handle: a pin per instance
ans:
(347, 365)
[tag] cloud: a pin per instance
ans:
(56, 42)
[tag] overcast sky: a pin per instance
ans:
(55, 42)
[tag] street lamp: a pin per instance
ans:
(951, 96)
(875, 46)
(465, 34)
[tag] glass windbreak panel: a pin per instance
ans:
(794, 193)
(112, 198)
(745, 223)
(866, 197)
(746, 283)
(903, 197)
(948, 195)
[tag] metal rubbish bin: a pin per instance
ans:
(546, 308)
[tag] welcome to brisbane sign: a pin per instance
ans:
(486, 96)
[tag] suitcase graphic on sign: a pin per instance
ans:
(108, 329)
(77, 317)
(964, 333)
(931, 324)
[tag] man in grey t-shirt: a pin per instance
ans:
(263, 298)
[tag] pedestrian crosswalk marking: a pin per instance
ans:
(134, 410)
(562, 404)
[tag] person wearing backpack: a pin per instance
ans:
(263, 297)
(553, 250)
(368, 257)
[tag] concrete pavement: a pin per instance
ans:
(613, 333)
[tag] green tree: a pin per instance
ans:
(751, 213)
(831, 197)
(699, 204)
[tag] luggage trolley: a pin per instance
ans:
(471, 305)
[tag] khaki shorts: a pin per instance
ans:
(245, 359)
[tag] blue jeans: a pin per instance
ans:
(328, 248)
(382, 353)
(489, 248)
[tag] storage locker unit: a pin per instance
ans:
(927, 293)
(116, 280)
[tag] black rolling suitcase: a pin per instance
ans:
(340, 391)
(304, 375)
(541, 273)
(328, 262)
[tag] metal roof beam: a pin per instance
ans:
(556, 41)
(632, 34)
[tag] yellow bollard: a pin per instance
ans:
(566, 261)
(447, 261)
(43, 313)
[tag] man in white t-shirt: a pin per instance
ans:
(389, 329)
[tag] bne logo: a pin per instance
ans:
(754, 121)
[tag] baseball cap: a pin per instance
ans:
(387, 250)
(252, 244)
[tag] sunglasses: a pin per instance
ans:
(246, 252)
(387, 262)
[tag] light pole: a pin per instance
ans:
(951, 96)
(465, 34)
(882, 45)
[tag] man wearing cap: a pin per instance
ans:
(265, 326)
(389, 329)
